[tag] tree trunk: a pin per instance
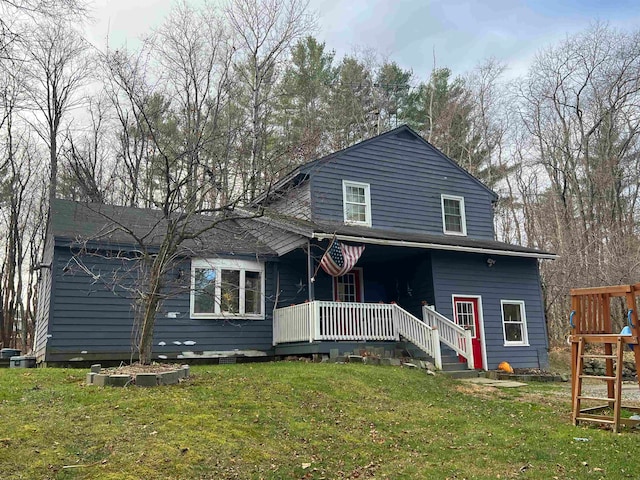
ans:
(150, 304)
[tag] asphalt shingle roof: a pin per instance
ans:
(108, 224)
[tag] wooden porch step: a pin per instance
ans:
(461, 373)
(453, 366)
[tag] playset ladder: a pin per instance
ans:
(614, 382)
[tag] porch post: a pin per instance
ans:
(310, 272)
(316, 323)
(437, 353)
(469, 350)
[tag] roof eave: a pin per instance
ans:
(434, 246)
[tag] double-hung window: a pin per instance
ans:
(357, 203)
(453, 219)
(222, 288)
(514, 322)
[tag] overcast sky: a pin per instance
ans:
(462, 33)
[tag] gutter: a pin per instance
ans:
(433, 246)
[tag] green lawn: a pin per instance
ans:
(298, 420)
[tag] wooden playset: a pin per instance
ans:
(591, 324)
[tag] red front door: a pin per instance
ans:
(465, 311)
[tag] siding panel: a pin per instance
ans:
(45, 302)
(509, 279)
(295, 202)
(94, 317)
(406, 180)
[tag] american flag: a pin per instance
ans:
(340, 258)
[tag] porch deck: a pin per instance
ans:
(322, 321)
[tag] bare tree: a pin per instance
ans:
(194, 53)
(579, 106)
(263, 31)
(21, 224)
(58, 66)
(184, 140)
(88, 172)
(13, 13)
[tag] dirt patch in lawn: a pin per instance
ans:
(481, 391)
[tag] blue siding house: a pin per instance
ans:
(431, 274)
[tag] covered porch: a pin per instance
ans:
(470, 283)
(317, 321)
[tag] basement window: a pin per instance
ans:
(222, 288)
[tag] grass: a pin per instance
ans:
(298, 420)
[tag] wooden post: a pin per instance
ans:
(635, 329)
(274, 328)
(605, 300)
(576, 383)
(470, 359)
(618, 390)
(310, 273)
(575, 306)
(437, 355)
(316, 314)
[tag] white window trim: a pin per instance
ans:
(227, 264)
(523, 313)
(463, 218)
(367, 198)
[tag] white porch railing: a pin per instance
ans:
(338, 321)
(420, 334)
(355, 321)
(294, 324)
(451, 334)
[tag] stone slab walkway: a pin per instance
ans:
(494, 383)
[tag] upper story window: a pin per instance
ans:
(453, 219)
(357, 203)
(222, 288)
(514, 322)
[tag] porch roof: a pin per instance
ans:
(352, 233)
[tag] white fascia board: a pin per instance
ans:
(434, 246)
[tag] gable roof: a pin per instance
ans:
(107, 225)
(304, 170)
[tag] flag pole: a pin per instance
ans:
(313, 278)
